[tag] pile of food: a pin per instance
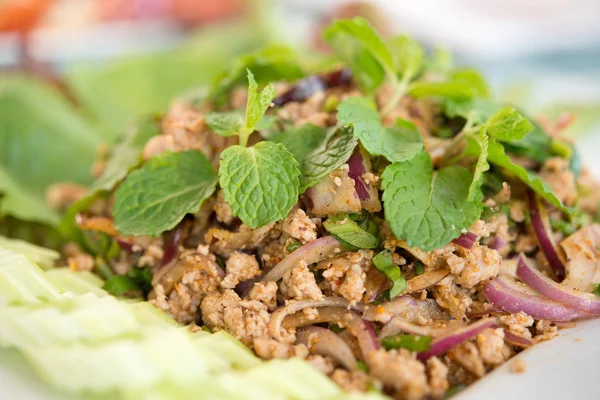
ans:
(383, 218)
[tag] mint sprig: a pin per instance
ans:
(156, 197)
(428, 208)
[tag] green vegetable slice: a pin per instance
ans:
(383, 262)
(410, 342)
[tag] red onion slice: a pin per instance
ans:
(456, 337)
(406, 307)
(398, 324)
(466, 240)
(497, 243)
(310, 253)
(282, 312)
(173, 239)
(545, 237)
(580, 301)
(326, 314)
(517, 340)
(364, 332)
(326, 343)
(509, 295)
(359, 164)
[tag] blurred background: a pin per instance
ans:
(75, 73)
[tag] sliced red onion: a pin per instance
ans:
(427, 279)
(517, 340)
(310, 253)
(545, 237)
(375, 284)
(173, 239)
(497, 243)
(509, 295)
(363, 331)
(580, 301)
(124, 244)
(359, 164)
(406, 307)
(456, 337)
(282, 312)
(244, 287)
(398, 324)
(327, 343)
(466, 240)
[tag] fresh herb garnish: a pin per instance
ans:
(454, 390)
(383, 262)
(301, 141)
(122, 285)
(411, 342)
(400, 142)
(261, 182)
(596, 290)
(361, 366)
(350, 233)
(428, 208)
(293, 246)
(507, 125)
(419, 268)
(156, 197)
(482, 164)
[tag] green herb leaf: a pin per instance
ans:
(596, 290)
(361, 366)
(508, 124)
(360, 47)
(498, 157)
(477, 109)
(410, 342)
(535, 145)
(293, 246)
(228, 123)
(269, 64)
(260, 182)
(157, 196)
(454, 390)
(302, 140)
(398, 143)
(428, 208)
(351, 233)
(383, 262)
(257, 105)
(408, 56)
(473, 78)
(331, 154)
(122, 285)
(419, 268)
(481, 166)
(125, 156)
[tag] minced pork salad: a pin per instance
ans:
(382, 218)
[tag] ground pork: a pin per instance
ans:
(545, 330)
(180, 287)
(351, 381)
(353, 287)
(267, 348)
(556, 173)
(517, 210)
(299, 284)
(224, 242)
(222, 209)
(491, 346)
(308, 111)
(400, 371)
(347, 275)
(323, 364)
(473, 266)
(501, 236)
(81, 262)
(589, 192)
(518, 324)
(299, 226)
(265, 292)
(467, 356)
(438, 377)
(245, 320)
(240, 267)
(453, 298)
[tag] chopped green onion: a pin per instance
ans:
(103, 269)
(596, 290)
(454, 390)
(564, 227)
(293, 246)
(361, 366)
(122, 285)
(142, 276)
(561, 149)
(419, 268)
(384, 263)
(410, 342)
(331, 103)
(350, 233)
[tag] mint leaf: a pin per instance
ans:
(361, 31)
(408, 56)
(301, 141)
(228, 123)
(443, 89)
(157, 196)
(351, 233)
(331, 154)
(269, 64)
(482, 164)
(478, 109)
(383, 262)
(428, 208)
(125, 156)
(498, 157)
(398, 143)
(535, 145)
(473, 78)
(260, 183)
(257, 105)
(508, 124)
(122, 285)
(410, 342)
